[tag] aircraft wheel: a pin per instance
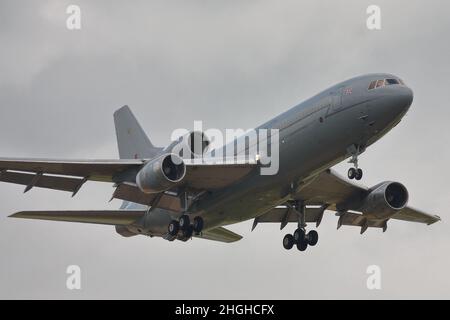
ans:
(352, 173)
(299, 235)
(288, 241)
(183, 239)
(173, 228)
(184, 222)
(313, 238)
(359, 174)
(198, 224)
(187, 233)
(302, 245)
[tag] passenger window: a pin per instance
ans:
(380, 83)
(392, 81)
(372, 85)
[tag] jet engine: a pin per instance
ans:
(193, 145)
(385, 200)
(161, 174)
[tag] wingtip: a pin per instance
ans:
(14, 215)
(435, 219)
(122, 109)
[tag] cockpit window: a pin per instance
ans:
(380, 83)
(392, 81)
(386, 82)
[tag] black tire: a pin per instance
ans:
(359, 174)
(288, 241)
(185, 222)
(302, 245)
(352, 173)
(187, 233)
(313, 238)
(299, 235)
(198, 224)
(173, 228)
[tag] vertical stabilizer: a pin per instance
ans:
(132, 141)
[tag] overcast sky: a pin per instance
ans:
(232, 64)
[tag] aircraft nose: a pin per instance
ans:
(405, 97)
(399, 100)
(394, 103)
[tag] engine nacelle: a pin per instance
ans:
(193, 145)
(125, 232)
(161, 174)
(385, 200)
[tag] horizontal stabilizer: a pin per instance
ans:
(109, 217)
(220, 234)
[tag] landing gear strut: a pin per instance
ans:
(300, 238)
(355, 172)
(183, 229)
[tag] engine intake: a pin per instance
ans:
(198, 143)
(161, 174)
(396, 195)
(385, 200)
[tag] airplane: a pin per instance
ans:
(197, 199)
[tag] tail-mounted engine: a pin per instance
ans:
(193, 145)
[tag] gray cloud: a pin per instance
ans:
(231, 65)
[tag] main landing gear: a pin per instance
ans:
(184, 228)
(355, 172)
(300, 238)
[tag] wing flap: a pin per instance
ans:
(358, 220)
(43, 181)
(108, 217)
(282, 214)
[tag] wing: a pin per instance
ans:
(70, 175)
(330, 191)
(201, 174)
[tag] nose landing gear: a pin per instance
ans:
(300, 238)
(355, 172)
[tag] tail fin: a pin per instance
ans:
(132, 141)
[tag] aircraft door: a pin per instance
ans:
(336, 99)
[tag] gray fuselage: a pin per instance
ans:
(314, 136)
